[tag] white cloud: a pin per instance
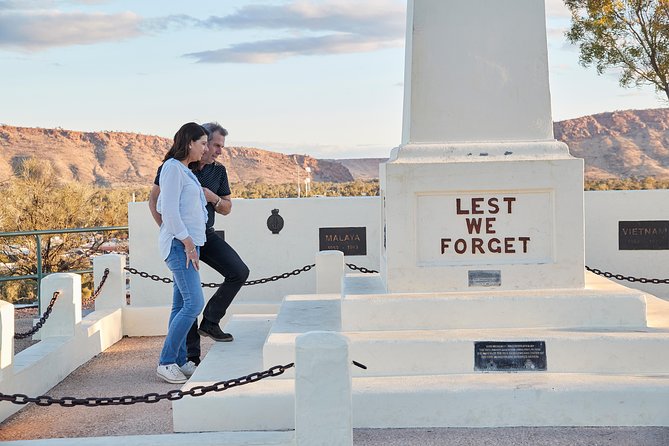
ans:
(89, 2)
(269, 51)
(311, 27)
(6, 5)
(373, 17)
(39, 30)
(342, 26)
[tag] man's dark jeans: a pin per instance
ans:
(220, 256)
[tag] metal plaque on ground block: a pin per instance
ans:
(491, 356)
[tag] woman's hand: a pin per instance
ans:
(191, 254)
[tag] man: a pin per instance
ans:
(216, 253)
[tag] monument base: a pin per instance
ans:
(601, 304)
(600, 369)
(458, 223)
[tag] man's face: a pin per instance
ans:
(215, 146)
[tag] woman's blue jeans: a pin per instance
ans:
(187, 303)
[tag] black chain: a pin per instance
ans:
(362, 269)
(97, 292)
(147, 275)
(216, 285)
(609, 275)
(295, 272)
(172, 395)
(41, 321)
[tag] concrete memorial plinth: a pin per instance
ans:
(469, 226)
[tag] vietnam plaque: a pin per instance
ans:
(643, 235)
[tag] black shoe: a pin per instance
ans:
(214, 332)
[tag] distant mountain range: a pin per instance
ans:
(632, 143)
(621, 144)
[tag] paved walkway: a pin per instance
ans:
(128, 368)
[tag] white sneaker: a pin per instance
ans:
(188, 369)
(171, 373)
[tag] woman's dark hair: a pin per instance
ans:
(188, 133)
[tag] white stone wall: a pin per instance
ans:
(296, 245)
(603, 211)
(265, 253)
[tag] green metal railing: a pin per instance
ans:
(38, 250)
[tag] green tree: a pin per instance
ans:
(629, 35)
(35, 200)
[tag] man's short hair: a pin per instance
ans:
(214, 127)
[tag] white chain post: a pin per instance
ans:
(323, 402)
(112, 294)
(329, 272)
(66, 313)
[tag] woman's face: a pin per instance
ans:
(197, 149)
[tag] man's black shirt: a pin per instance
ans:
(212, 176)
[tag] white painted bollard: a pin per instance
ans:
(323, 407)
(6, 337)
(66, 313)
(112, 294)
(329, 272)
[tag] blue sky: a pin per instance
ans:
(318, 77)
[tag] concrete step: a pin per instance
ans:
(602, 303)
(511, 399)
(481, 400)
(224, 361)
(390, 353)
(432, 400)
(152, 321)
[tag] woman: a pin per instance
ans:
(182, 205)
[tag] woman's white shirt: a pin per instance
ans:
(182, 205)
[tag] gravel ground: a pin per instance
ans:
(126, 368)
(23, 322)
(515, 436)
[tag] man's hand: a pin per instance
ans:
(210, 196)
(222, 205)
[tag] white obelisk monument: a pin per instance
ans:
(480, 195)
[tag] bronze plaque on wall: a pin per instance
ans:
(643, 235)
(352, 241)
(491, 356)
